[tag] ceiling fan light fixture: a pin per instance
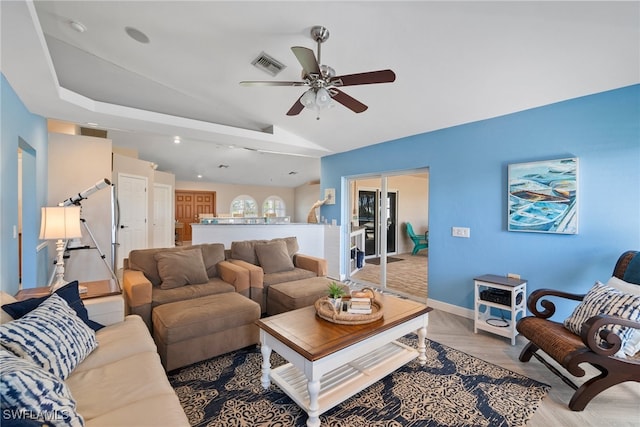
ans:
(323, 98)
(308, 99)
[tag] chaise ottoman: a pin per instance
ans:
(287, 296)
(189, 331)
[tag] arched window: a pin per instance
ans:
(244, 206)
(274, 206)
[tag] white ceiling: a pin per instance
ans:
(455, 62)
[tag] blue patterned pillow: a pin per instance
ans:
(68, 292)
(52, 336)
(603, 299)
(30, 394)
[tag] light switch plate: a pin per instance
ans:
(461, 232)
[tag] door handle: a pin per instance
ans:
(124, 226)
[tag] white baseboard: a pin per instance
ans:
(450, 308)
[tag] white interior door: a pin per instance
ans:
(132, 227)
(163, 227)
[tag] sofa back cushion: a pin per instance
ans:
(179, 268)
(292, 244)
(274, 257)
(212, 254)
(245, 250)
(144, 260)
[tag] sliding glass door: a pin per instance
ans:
(376, 215)
(370, 218)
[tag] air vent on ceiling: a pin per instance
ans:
(98, 133)
(268, 64)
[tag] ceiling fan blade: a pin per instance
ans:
(371, 77)
(307, 59)
(348, 101)
(271, 83)
(296, 108)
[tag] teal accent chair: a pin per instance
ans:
(419, 241)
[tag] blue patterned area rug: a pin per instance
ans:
(452, 389)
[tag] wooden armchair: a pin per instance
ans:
(570, 350)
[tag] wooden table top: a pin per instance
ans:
(95, 289)
(314, 338)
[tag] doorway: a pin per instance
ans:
(28, 213)
(132, 224)
(381, 205)
(163, 226)
(370, 218)
(189, 205)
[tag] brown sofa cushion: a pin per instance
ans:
(144, 260)
(181, 268)
(212, 254)
(292, 244)
(287, 276)
(189, 292)
(245, 251)
(274, 257)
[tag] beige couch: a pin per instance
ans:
(271, 262)
(122, 382)
(153, 277)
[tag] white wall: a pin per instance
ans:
(76, 163)
(225, 193)
(306, 195)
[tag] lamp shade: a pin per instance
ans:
(60, 222)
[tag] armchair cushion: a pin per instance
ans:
(603, 299)
(274, 257)
(181, 268)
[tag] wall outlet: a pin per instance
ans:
(461, 232)
(513, 276)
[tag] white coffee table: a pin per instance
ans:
(328, 362)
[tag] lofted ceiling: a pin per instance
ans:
(455, 62)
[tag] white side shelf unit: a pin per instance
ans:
(499, 292)
(356, 241)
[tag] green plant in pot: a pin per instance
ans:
(336, 292)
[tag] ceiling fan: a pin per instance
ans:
(323, 81)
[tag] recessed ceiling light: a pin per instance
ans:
(199, 176)
(77, 26)
(137, 35)
(177, 140)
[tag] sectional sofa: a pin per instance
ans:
(117, 381)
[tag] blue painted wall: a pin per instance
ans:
(20, 128)
(468, 188)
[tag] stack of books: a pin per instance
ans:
(359, 306)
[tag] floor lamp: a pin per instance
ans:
(61, 223)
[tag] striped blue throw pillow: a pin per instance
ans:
(52, 336)
(29, 393)
(603, 299)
